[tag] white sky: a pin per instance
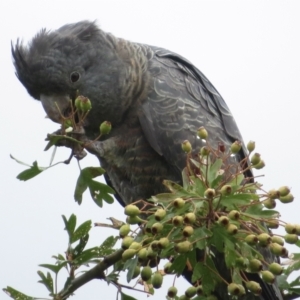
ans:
(248, 49)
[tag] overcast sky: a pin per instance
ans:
(249, 50)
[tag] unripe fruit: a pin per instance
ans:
(251, 146)
(167, 267)
(151, 254)
(189, 218)
(136, 272)
(278, 240)
(290, 228)
(183, 247)
(233, 289)
(277, 249)
(241, 290)
(85, 104)
(204, 151)
(268, 277)
(283, 191)
(199, 290)
(269, 203)
(186, 146)
(255, 265)
(154, 245)
(255, 159)
(77, 102)
(275, 268)
(163, 243)
(129, 253)
(133, 220)
(234, 215)
(236, 147)
(157, 280)
(142, 255)
(224, 221)
(286, 199)
(188, 231)
(178, 203)
(209, 193)
(136, 246)
(146, 273)
(105, 127)
(251, 239)
(157, 228)
(273, 194)
(68, 123)
(291, 238)
(172, 292)
(254, 287)
(177, 221)
(124, 230)
(191, 291)
(131, 210)
(226, 190)
(232, 229)
(126, 242)
(273, 224)
(260, 165)
(264, 239)
(160, 214)
(297, 229)
(202, 133)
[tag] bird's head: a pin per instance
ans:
(76, 57)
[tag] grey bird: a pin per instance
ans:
(154, 98)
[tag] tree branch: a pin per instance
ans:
(95, 273)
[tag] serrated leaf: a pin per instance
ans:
(33, 171)
(179, 264)
(200, 236)
(231, 201)
(55, 138)
(126, 297)
(47, 281)
(80, 247)
(81, 231)
(54, 268)
(237, 180)
(213, 170)
(14, 294)
(106, 247)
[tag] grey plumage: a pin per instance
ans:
(154, 98)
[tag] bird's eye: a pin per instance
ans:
(74, 76)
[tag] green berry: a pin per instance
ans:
(136, 246)
(188, 231)
(191, 291)
(234, 215)
(277, 249)
(157, 280)
(273, 194)
(264, 239)
(209, 193)
(286, 199)
(267, 277)
(277, 239)
(128, 254)
(251, 146)
(269, 203)
(233, 289)
(157, 228)
(284, 191)
(254, 287)
(124, 230)
(260, 165)
(255, 159)
(126, 242)
(224, 221)
(167, 268)
(255, 265)
(177, 221)
(85, 104)
(133, 220)
(183, 247)
(189, 218)
(236, 147)
(186, 146)
(202, 133)
(172, 292)
(163, 243)
(290, 228)
(160, 214)
(146, 273)
(251, 239)
(204, 151)
(105, 127)
(131, 210)
(178, 203)
(232, 229)
(291, 238)
(276, 268)
(142, 255)
(226, 190)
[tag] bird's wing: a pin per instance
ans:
(180, 100)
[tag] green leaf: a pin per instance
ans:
(82, 243)
(200, 236)
(231, 201)
(70, 225)
(47, 281)
(54, 268)
(176, 188)
(16, 294)
(213, 170)
(32, 172)
(131, 268)
(126, 297)
(179, 264)
(55, 138)
(86, 256)
(237, 180)
(81, 231)
(106, 247)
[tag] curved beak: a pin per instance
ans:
(55, 106)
